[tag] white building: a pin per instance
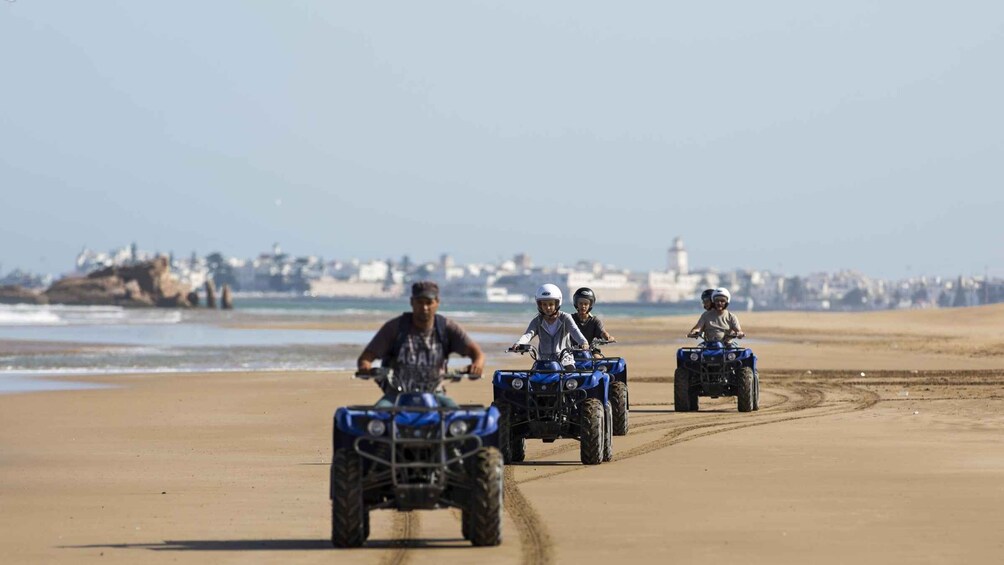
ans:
(608, 286)
(677, 258)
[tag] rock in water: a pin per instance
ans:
(226, 300)
(143, 284)
(210, 294)
(15, 294)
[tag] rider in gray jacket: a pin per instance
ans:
(555, 330)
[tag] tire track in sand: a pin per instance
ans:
(805, 399)
(535, 542)
(811, 395)
(403, 530)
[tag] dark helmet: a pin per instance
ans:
(706, 295)
(584, 293)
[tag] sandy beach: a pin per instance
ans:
(880, 439)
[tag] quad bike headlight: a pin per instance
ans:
(694, 356)
(516, 384)
(457, 428)
(376, 427)
(730, 357)
(571, 384)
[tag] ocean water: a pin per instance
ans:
(63, 341)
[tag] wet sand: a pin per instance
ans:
(903, 463)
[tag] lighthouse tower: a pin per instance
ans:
(678, 257)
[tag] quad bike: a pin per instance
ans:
(418, 454)
(548, 403)
(716, 369)
(616, 367)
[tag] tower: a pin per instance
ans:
(678, 257)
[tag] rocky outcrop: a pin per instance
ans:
(144, 284)
(226, 298)
(210, 294)
(14, 294)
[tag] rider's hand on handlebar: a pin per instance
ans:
(368, 372)
(693, 334)
(474, 370)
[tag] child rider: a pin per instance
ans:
(555, 330)
(590, 326)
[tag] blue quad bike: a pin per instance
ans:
(715, 369)
(549, 403)
(616, 367)
(418, 454)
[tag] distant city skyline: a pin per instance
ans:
(668, 257)
(784, 136)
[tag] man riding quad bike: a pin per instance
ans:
(716, 368)
(420, 453)
(549, 402)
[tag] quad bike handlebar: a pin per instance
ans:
(387, 373)
(523, 349)
(594, 347)
(730, 335)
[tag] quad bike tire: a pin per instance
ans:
(517, 445)
(482, 516)
(505, 433)
(756, 390)
(747, 390)
(592, 432)
(608, 432)
(349, 518)
(619, 400)
(684, 400)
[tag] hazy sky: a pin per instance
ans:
(792, 136)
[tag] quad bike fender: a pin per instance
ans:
(601, 391)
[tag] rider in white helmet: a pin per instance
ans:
(555, 330)
(718, 323)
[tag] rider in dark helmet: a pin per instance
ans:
(706, 298)
(589, 325)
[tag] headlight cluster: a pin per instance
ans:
(730, 357)
(571, 384)
(376, 427)
(516, 383)
(457, 428)
(694, 356)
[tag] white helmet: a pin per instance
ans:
(548, 292)
(722, 292)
